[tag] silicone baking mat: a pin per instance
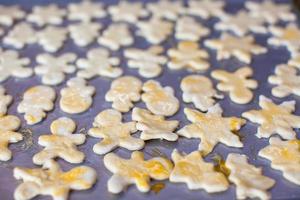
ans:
(263, 66)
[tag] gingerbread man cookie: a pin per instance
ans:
(21, 35)
(154, 126)
(12, 65)
(51, 180)
(188, 55)
(127, 11)
(236, 83)
(150, 31)
(108, 125)
(199, 90)
(61, 143)
(98, 63)
(86, 11)
(77, 97)
(136, 171)
(50, 14)
(187, 28)
(84, 33)
(287, 81)
(52, 38)
(5, 101)
(8, 125)
(206, 8)
(123, 92)
(9, 14)
(166, 9)
(148, 61)
(116, 36)
(159, 100)
(53, 69)
(288, 36)
(36, 102)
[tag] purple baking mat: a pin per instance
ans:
(263, 65)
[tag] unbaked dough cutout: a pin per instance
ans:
(237, 83)
(274, 119)
(285, 157)
(62, 143)
(212, 128)
(98, 63)
(159, 100)
(123, 92)
(37, 100)
(188, 55)
(248, 179)
(147, 61)
(108, 125)
(154, 126)
(199, 90)
(196, 173)
(50, 180)
(136, 171)
(231, 46)
(8, 126)
(77, 97)
(52, 69)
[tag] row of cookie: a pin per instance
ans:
(160, 101)
(98, 62)
(186, 168)
(85, 33)
(237, 84)
(118, 34)
(132, 11)
(187, 55)
(274, 119)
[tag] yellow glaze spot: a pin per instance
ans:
(285, 153)
(272, 111)
(140, 177)
(31, 118)
(156, 168)
(32, 90)
(191, 81)
(74, 101)
(293, 142)
(235, 123)
(199, 117)
(187, 169)
(73, 175)
(122, 89)
(187, 45)
(291, 34)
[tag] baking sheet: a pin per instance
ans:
(263, 65)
